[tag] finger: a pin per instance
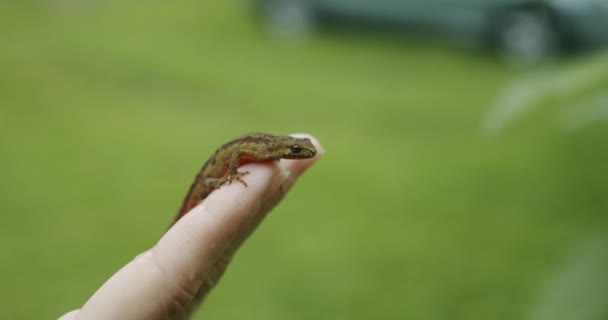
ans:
(166, 281)
(70, 315)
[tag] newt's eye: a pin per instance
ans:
(296, 148)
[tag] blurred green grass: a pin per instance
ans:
(107, 109)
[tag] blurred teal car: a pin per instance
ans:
(522, 30)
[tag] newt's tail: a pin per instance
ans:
(195, 195)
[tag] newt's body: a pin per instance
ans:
(223, 164)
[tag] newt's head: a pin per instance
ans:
(297, 148)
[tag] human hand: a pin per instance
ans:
(170, 280)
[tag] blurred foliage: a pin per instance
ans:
(107, 109)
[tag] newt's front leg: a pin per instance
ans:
(232, 173)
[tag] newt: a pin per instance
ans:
(222, 166)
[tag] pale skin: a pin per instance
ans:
(170, 280)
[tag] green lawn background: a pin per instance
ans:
(107, 109)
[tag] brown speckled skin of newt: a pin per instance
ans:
(222, 166)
